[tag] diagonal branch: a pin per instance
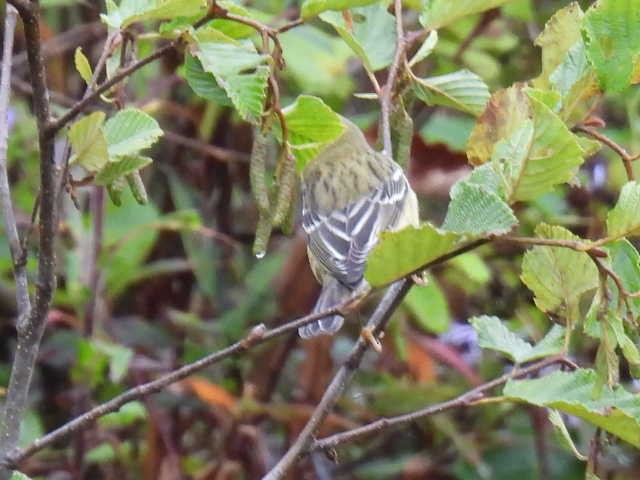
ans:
(460, 401)
(256, 336)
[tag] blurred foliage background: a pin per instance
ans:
(177, 280)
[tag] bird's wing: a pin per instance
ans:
(342, 239)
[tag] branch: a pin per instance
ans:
(30, 330)
(60, 122)
(376, 324)
(258, 335)
(387, 92)
(462, 400)
(592, 250)
(627, 159)
(10, 227)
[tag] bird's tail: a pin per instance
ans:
(333, 292)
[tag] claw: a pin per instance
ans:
(420, 279)
(368, 335)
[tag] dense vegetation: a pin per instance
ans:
(153, 272)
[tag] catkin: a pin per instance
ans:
(402, 128)
(137, 188)
(286, 187)
(258, 170)
(263, 233)
(115, 189)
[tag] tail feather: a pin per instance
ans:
(332, 294)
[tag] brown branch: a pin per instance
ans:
(256, 336)
(591, 250)
(30, 330)
(122, 74)
(377, 323)
(460, 401)
(627, 159)
(388, 90)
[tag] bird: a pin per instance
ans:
(350, 194)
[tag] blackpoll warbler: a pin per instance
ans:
(350, 193)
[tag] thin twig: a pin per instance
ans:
(588, 248)
(460, 401)
(23, 301)
(31, 329)
(377, 322)
(387, 92)
(257, 336)
(627, 159)
(60, 122)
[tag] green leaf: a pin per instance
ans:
(462, 90)
(230, 27)
(439, 13)
(311, 8)
(130, 131)
(558, 276)
(82, 65)
(317, 61)
(494, 335)
(560, 34)
(624, 219)
(507, 112)
(473, 267)
(625, 262)
(615, 411)
(19, 476)
(248, 92)
(223, 56)
(611, 32)
(130, 11)
(103, 453)
(119, 358)
(88, 142)
(372, 34)
(476, 210)
(312, 125)
(452, 130)
(120, 167)
(237, 67)
(128, 414)
(556, 420)
(426, 48)
(398, 254)
(429, 308)
(203, 83)
(531, 156)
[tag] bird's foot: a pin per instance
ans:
(420, 279)
(367, 334)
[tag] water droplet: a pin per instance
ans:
(260, 254)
